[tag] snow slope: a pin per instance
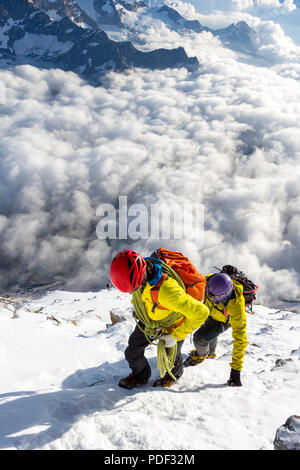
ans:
(53, 348)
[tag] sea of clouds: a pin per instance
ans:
(225, 136)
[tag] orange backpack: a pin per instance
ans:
(193, 280)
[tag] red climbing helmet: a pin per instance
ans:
(127, 271)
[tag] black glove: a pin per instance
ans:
(235, 378)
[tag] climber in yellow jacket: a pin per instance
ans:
(226, 303)
(129, 272)
(174, 299)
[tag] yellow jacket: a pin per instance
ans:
(235, 313)
(173, 297)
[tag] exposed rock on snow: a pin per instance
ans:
(116, 316)
(288, 436)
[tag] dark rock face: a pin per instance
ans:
(133, 6)
(17, 9)
(239, 37)
(179, 22)
(68, 8)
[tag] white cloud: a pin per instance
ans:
(243, 4)
(269, 5)
(274, 45)
(224, 136)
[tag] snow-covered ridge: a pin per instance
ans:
(133, 20)
(52, 350)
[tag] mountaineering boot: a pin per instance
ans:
(130, 382)
(193, 359)
(165, 381)
(211, 356)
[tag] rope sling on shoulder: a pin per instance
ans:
(153, 329)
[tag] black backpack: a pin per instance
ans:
(249, 288)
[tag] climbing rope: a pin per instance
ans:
(153, 329)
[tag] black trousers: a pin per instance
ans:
(206, 337)
(135, 355)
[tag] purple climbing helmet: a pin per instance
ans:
(219, 287)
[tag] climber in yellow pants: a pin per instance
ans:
(226, 303)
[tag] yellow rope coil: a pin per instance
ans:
(153, 329)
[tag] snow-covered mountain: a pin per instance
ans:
(68, 41)
(90, 37)
(130, 18)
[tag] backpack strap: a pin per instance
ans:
(154, 293)
(223, 311)
(171, 328)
